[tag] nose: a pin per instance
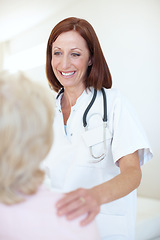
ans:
(65, 62)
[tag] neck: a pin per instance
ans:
(70, 96)
(69, 99)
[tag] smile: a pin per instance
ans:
(67, 73)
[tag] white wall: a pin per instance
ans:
(129, 33)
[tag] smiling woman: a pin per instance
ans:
(70, 60)
(102, 186)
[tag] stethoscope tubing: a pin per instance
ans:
(90, 105)
(88, 108)
(104, 105)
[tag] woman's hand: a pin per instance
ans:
(87, 201)
(77, 203)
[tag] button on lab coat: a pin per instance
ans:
(69, 165)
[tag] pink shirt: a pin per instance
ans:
(36, 219)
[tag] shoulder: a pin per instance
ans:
(47, 195)
(118, 103)
(115, 97)
(114, 93)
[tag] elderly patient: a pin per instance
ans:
(27, 209)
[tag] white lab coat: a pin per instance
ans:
(70, 165)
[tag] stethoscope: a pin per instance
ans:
(102, 156)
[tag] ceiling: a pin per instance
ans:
(19, 15)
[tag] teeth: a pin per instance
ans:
(67, 74)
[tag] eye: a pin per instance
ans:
(57, 53)
(75, 54)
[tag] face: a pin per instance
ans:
(70, 59)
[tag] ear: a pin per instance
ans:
(90, 61)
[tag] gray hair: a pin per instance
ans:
(26, 119)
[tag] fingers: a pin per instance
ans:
(76, 213)
(68, 198)
(68, 207)
(90, 217)
(77, 203)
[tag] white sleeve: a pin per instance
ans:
(128, 133)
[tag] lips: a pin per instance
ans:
(66, 74)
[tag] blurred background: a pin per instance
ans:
(129, 33)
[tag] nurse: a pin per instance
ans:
(101, 187)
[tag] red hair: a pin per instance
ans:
(98, 74)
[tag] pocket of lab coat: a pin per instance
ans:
(112, 225)
(95, 142)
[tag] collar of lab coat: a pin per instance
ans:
(85, 96)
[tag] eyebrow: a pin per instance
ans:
(57, 47)
(76, 49)
(72, 49)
